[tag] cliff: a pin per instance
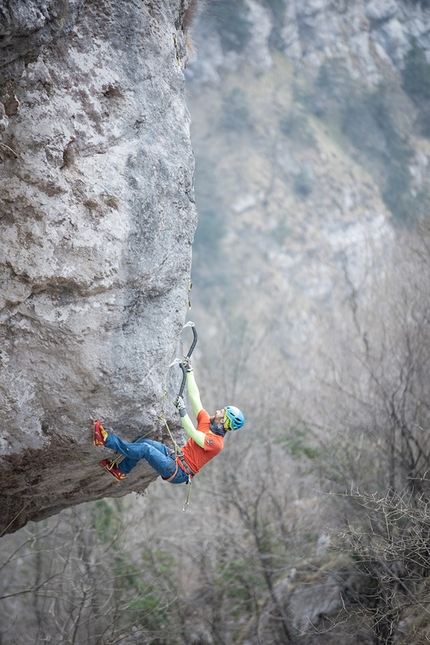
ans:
(97, 218)
(310, 126)
(97, 215)
(372, 37)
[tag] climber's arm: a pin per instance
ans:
(187, 424)
(194, 395)
(199, 437)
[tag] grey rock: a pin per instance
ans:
(97, 219)
(369, 36)
(381, 9)
(25, 25)
(258, 48)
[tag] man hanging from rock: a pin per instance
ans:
(203, 444)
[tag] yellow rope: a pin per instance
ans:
(178, 451)
(176, 49)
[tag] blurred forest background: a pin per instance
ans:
(311, 272)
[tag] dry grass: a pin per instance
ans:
(190, 15)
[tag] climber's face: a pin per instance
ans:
(218, 417)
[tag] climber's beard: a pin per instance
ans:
(218, 418)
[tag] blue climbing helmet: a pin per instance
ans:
(234, 416)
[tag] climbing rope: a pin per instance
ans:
(176, 447)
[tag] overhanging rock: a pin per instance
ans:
(97, 218)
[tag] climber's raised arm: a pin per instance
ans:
(193, 393)
(193, 390)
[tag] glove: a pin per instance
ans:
(180, 405)
(186, 362)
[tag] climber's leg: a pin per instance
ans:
(126, 465)
(113, 469)
(159, 456)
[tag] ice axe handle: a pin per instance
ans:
(184, 378)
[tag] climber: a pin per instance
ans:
(204, 443)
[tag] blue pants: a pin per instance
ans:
(159, 456)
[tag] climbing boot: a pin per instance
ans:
(100, 434)
(111, 467)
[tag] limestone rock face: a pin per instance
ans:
(97, 218)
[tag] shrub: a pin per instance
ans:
(416, 74)
(210, 229)
(236, 114)
(296, 441)
(367, 119)
(416, 83)
(190, 15)
(368, 123)
(277, 8)
(303, 184)
(296, 126)
(333, 87)
(230, 18)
